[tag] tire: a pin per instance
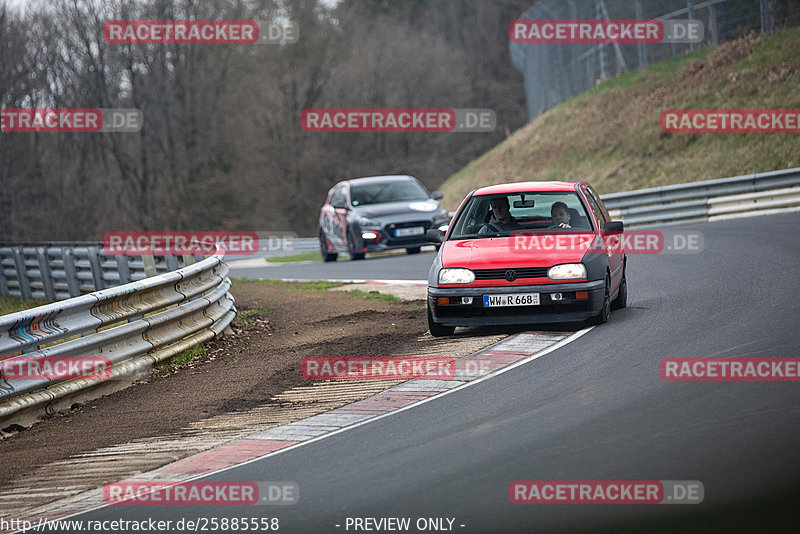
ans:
(327, 255)
(351, 241)
(605, 311)
(622, 296)
(438, 330)
(413, 250)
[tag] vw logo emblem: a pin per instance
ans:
(511, 275)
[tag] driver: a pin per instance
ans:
(560, 215)
(502, 220)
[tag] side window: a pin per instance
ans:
(599, 201)
(598, 213)
(338, 197)
(472, 218)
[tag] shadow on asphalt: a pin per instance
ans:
(617, 316)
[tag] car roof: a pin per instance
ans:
(517, 187)
(374, 179)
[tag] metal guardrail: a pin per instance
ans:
(709, 200)
(302, 244)
(133, 325)
(56, 271)
(739, 196)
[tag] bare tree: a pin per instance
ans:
(222, 146)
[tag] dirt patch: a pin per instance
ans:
(278, 325)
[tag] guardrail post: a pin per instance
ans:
(149, 262)
(73, 284)
(172, 262)
(22, 273)
(47, 276)
(3, 281)
(123, 269)
(97, 271)
(188, 259)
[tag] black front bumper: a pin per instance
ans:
(395, 244)
(389, 241)
(548, 311)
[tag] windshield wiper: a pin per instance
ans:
(478, 236)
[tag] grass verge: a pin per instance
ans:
(180, 360)
(11, 304)
(376, 295)
(314, 255)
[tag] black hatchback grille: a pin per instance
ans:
(390, 229)
(409, 224)
(521, 272)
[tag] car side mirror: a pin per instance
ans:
(437, 195)
(434, 235)
(614, 226)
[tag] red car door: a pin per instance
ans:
(614, 243)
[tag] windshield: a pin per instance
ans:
(378, 192)
(499, 215)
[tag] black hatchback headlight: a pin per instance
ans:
(366, 221)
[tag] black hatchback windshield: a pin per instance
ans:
(394, 191)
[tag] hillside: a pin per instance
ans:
(610, 134)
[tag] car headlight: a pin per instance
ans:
(444, 227)
(456, 276)
(567, 271)
(366, 221)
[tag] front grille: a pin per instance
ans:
(521, 272)
(411, 224)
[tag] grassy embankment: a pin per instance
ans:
(610, 134)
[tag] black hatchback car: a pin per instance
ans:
(378, 213)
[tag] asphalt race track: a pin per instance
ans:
(595, 409)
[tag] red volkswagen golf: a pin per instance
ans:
(527, 252)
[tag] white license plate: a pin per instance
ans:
(514, 299)
(406, 232)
